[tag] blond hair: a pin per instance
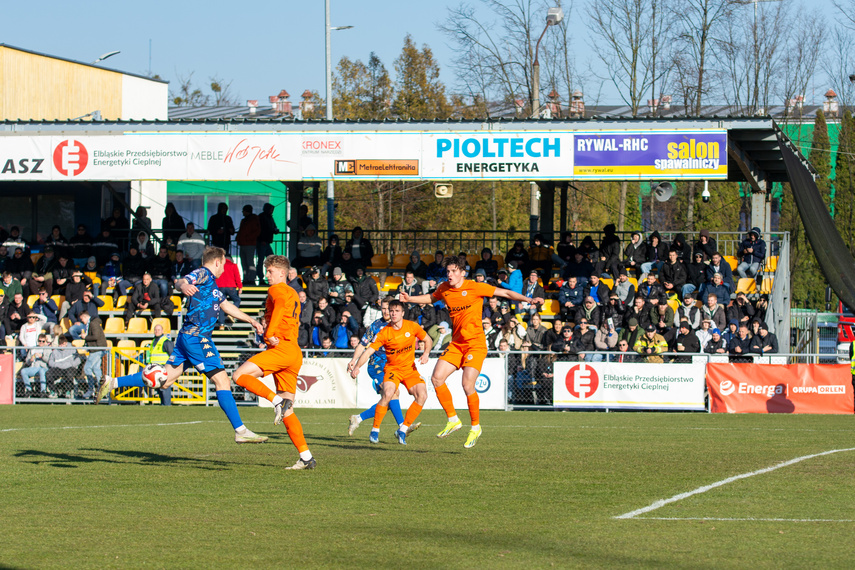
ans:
(277, 261)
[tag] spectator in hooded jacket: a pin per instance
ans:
(416, 266)
(513, 279)
(716, 344)
(635, 254)
(752, 254)
(608, 257)
(332, 255)
(657, 254)
(488, 264)
(696, 274)
(684, 251)
(359, 247)
(705, 245)
(172, 224)
(221, 228)
(518, 254)
(565, 248)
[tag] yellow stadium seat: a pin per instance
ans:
(391, 283)
(472, 259)
(732, 261)
(176, 301)
(108, 302)
(771, 264)
(123, 300)
(634, 282)
(58, 299)
(610, 283)
(400, 261)
(376, 280)
(137, 325)
(35, 257)
(114, 325)
(546, 324)
(674, 304)
(746, 285)
(31, 300)
(500, 259)
(78, 342)
(379, 261)
(162, 321)
(550, 307)
(65, 323)
(766, 286)
(96, 280)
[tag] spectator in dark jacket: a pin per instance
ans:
(650, 288)
(657, 253)
(570, 296)
(267, 229)
(146, 295)
(488, 264)
(172, 224)
(331, 256)
(719, 265)
(683, 249)
(752, 254)
(590, 312)
(435, 271)
(674, 274)
(740, 345)
(705, 245)
(764, 342)
(518, 254)
(80, 246)
(364, 289)
(565, 248)
(246, 239)
(567, 346)
(696, 274)
(580, 268)
(359, 247)
(221, 228)
(608, 258)
(687, 341)
(317, 287)
(160, 268)
(46, 306)
(597, 289)
(635, 254)
(416, 265)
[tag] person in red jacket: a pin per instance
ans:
(246, 238)
(229, 283)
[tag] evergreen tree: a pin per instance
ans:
(820, 158)
(844, 185)
(419, 92)
(380, 91)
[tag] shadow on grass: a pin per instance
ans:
(341, 443)
(71, 461)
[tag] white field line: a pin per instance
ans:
(750, 519)
(103, 427)
(662, 502)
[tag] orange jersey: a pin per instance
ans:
(282, 313)
(400, 344)
(465, 306)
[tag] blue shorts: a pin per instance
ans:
(376, 370)
(196, 351)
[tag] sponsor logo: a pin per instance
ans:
(376, 167)
(468, 357)
(499, 147)
(830, 389)
(406, 334)
(464, 293)
(322, 146)
(726, 388)
(23, 166)
(482, 383)
(70, 157)
(582, 381)
(304, 383)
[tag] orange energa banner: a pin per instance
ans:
(780, 388)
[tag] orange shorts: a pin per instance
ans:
(409, 377)
(461, 354)
(284, 363)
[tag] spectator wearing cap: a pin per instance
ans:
(517, 254)
(331, 256)
(716, 288)
(338, 287)
(716, 344)
(624, 288)
(662, 316)
(317, 287)
(686, 340)
(193, 245)
(352, 308)
(43, 273)
(91, 272)
(29, 333)
(440, 334)
(731, 330)
(104, 246)
(688, 311)
(614, 310)
(230, 284)
(532, 289)
(246, 239)
(696, 272)
(751, 254)
(74, 291)
(80, 246)
(596, 289)
(630, 332)
(513, 279)
(88, 304)
(590, 312)
(651, 344)
(764, 342)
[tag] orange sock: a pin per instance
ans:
(255, 386)
(295, 432)
(379, 414)
(443, 394)
(412, 413)
(474, 405)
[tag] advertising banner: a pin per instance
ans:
(324, 155)
(491, 386)
(780, 389)
(653, 155)
(322, 383)
(628, 386)
(7, 379)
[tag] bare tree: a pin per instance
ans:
(840, 65)
(187, 94)
(801, 56)
(222, 91)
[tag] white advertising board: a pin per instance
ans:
(322, 383)
(492, 387)
(629, 386)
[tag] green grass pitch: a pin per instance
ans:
(143, 486)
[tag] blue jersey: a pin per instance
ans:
(203, 308)
(379, 357)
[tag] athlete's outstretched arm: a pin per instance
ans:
(354, 372)
(228, 308)
(514, 296)
(420, 299)
(423, 359)
(185, 287)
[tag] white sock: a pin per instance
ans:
(476, 428)
(402, 427)
(277, 399)
(374, 429)
(454, 418)
(305, 455)
(241, 430)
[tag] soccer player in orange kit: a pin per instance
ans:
(282, 357)
(398, 338)
(468, 346)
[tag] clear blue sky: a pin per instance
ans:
(261, 47)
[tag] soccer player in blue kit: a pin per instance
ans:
(194, 346)
(376, 370)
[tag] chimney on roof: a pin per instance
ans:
(307, 105)
(253, 105)
(830, 107)
(553, 106)
(519, 106)
(577, 105)
(281, 104)
(796, 104)
(666, 102)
